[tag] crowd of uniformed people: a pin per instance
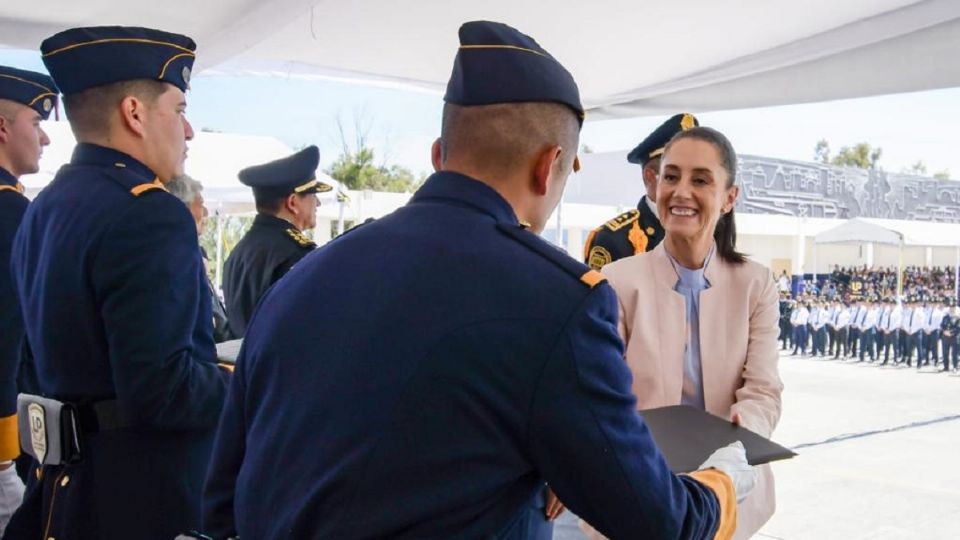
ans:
(912, 332)
(442, 372)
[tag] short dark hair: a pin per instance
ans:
(269, 205)
(503, 136)
(87, 110)
(725, 233)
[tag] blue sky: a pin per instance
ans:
(401, 125)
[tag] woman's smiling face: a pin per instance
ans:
(694, 189)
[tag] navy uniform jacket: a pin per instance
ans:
(12, 206)
(431, 390)
(116, 307)
(268, 251)
(631, 233)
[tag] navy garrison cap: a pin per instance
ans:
(293, 174)
(498, 64)
(35, 90)
(82, 58)
(652, 146)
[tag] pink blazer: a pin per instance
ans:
(739, 327)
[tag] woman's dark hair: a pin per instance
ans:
(725, 233)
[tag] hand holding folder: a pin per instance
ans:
(687, 436)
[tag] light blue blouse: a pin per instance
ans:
(690, 283)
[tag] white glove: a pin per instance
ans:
(11, 493)
(732, 460)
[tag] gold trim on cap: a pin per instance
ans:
(511, 47)
(118, 40)
(38, 85)
(172, 58)
(322, 187)
(41, 96)
(688, 121)
(656, 152)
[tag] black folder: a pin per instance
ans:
(228, 351)
(687, 436)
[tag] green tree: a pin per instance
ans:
(861, 155)
(917, 169)
(821, 153)
(357, 169)
(942, 175)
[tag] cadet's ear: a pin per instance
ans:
(436, 155)
(132, 115)
(4, 129)
(544, 168)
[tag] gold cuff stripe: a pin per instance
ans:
(593, 278)
(25, 81)
(722, 486)
(172, 58)
(9, 439)
(119, 40)
(509, 47)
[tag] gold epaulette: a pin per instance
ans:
(149, 186)
(622, 220)
(299, 237)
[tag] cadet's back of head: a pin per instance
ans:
(511, 119)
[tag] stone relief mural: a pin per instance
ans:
(795, 188)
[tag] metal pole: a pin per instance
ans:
(219, 244)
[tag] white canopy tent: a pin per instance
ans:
(630, 57)
(864, 231)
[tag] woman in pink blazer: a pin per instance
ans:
(699, 320)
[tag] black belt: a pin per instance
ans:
(99, 416)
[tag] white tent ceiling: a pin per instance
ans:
(630, 57)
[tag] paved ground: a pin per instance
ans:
(879, 454)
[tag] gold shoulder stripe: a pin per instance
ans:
(228, 367)
(119, 40)
(143, 188)
(593, 278)
(18, 188)
(9, 441)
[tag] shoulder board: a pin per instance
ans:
(576, 269)
(622, 220)
(300, 238)
(140, 189)
(17, 188)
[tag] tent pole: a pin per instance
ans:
(956, 276)
(219, 272)
(900, 271)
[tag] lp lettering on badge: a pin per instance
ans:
(38, 431)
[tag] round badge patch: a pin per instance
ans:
(598, 258)
(47, 105)
(650, 231)
(186, 75)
